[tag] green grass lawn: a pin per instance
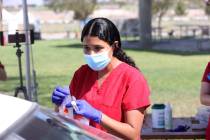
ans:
(172, 77)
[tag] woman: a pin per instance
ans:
(110, 90)
(205, 94)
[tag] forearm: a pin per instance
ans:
(205, 99)
(123, 130)
(205, 93)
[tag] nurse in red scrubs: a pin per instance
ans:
(205, 94)
(110, 90)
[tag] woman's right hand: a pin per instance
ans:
(59, 94)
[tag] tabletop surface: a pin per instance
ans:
(149, 133)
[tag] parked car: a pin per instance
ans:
(24, 120)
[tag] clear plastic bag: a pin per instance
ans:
(63, 110)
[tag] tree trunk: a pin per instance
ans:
(159, 26)
(145, 14)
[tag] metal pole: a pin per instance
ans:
(27, 49)
(1, 16)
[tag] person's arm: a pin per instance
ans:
(131, 129)
(58, 96)
(205, 93)
(3, 74)
(137, 96)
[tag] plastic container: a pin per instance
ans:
(168, 117)
(67, 112)
(79, 118)
(158, 116)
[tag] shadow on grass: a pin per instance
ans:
(39, 77)
(186, 46)
(15, 80)
(169, 51)
(11, 78)
(136, 43)
(12, 82)
(75, 45)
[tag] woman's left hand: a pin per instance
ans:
(85, 109)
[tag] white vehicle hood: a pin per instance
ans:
(11, 110)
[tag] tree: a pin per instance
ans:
(121, 3)
(159, 9)
(180, 8)
(81, 8)
(207, 10)
(207, 2)
(193, 3)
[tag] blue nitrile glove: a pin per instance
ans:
(181, 128)
(86, 110)
(59, 94)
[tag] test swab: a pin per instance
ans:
(74, 105)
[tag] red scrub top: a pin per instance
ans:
(206, 78)
(206, 75)
(124, 89)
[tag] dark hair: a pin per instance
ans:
(105, 30)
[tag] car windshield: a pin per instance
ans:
(42, 126)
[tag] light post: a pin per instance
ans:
(27, 50)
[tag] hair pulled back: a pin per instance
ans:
(105, 30)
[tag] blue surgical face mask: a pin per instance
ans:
(98, 61)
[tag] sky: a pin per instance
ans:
(18, 2)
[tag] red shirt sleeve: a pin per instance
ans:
(76, 80)
(137, 94)
(73, 83)
(206, 75)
